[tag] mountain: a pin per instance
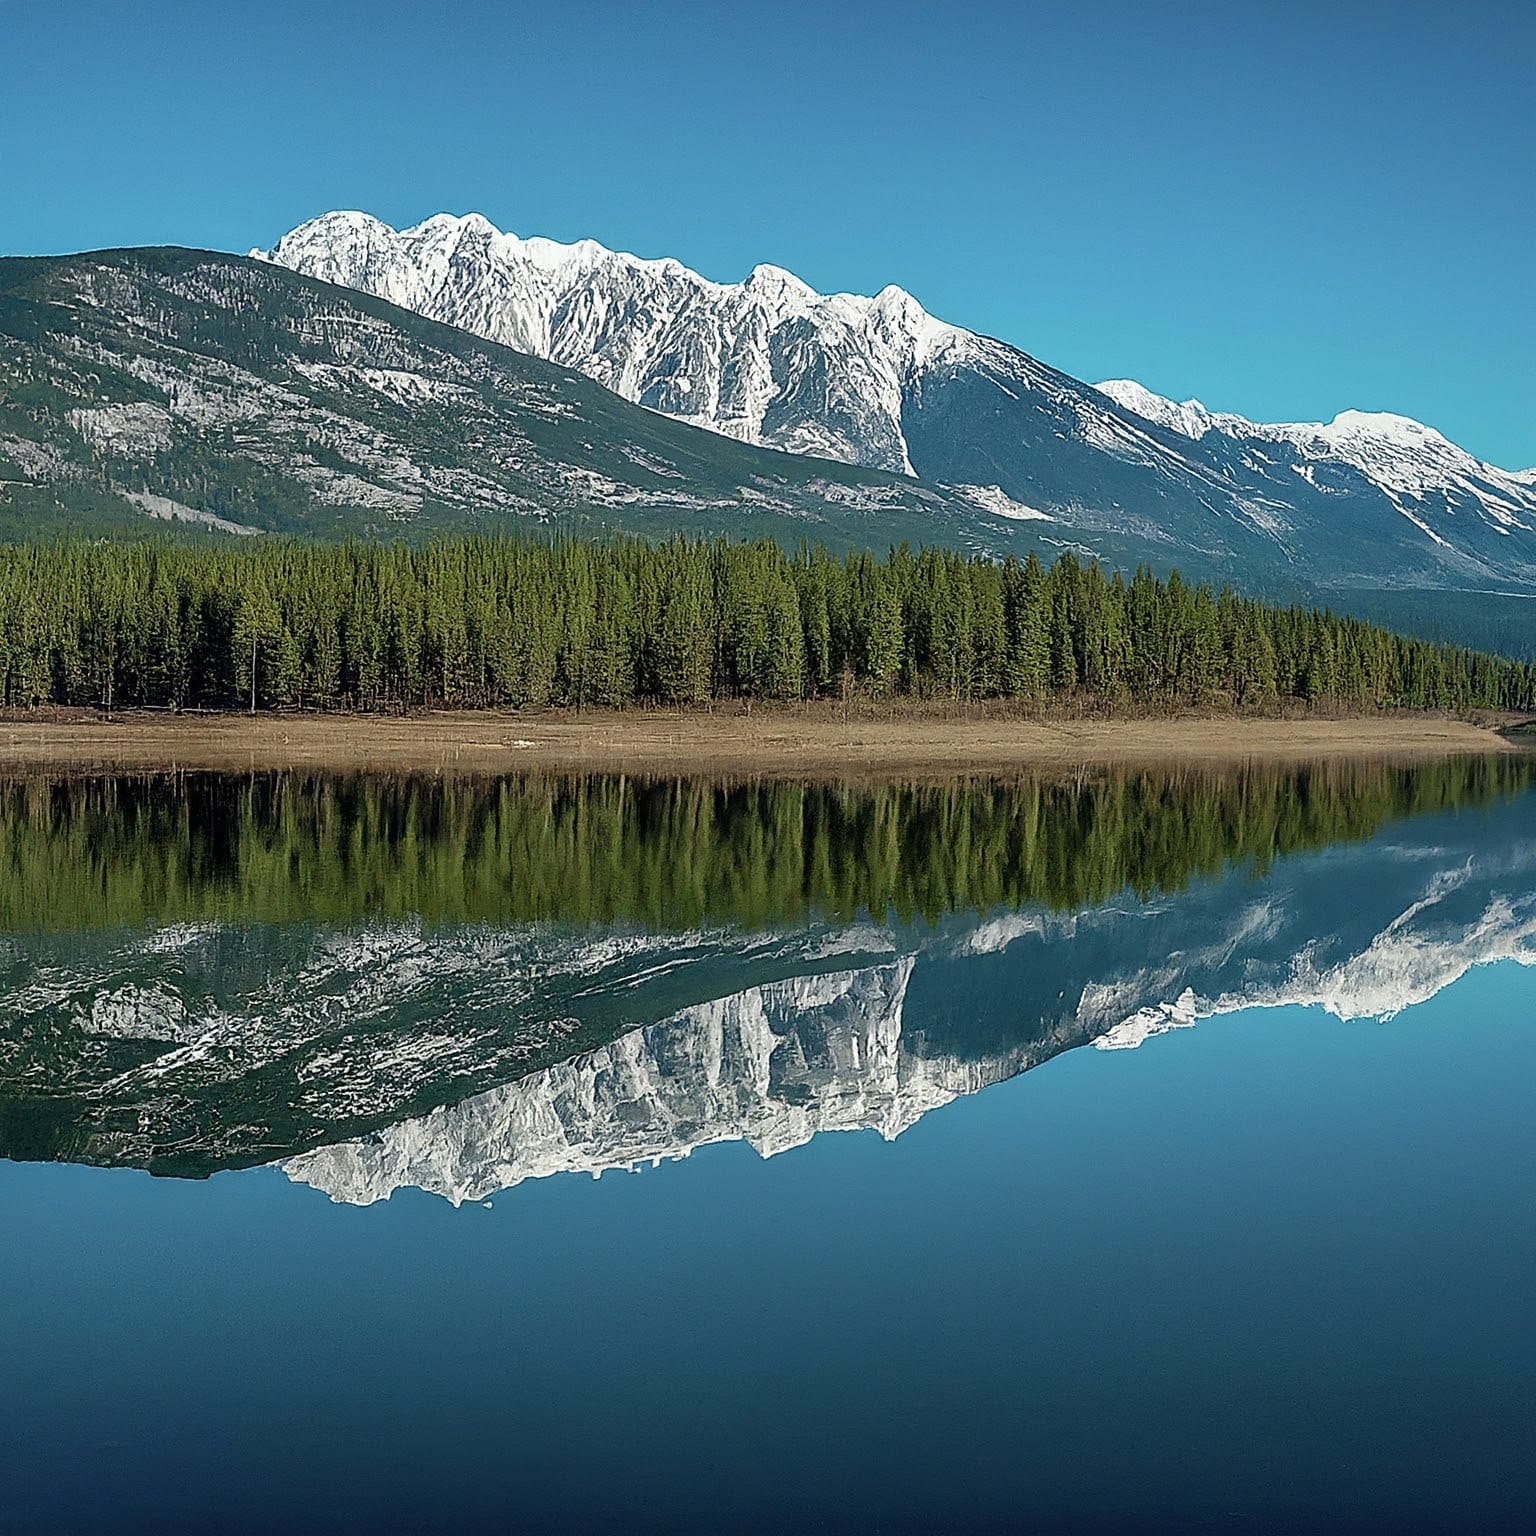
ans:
(1422, 473)
(235, 396)
(184, 389)
(1365, 502)
(766, 361)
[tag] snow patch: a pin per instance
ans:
(167, 510)
(993, 499)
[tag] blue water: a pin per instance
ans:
(1273, 1272)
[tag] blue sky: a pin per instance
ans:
(1285, 209)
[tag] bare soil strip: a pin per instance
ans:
(814, 741)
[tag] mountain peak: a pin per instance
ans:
(767, 279)
(1415, 467)
(345, 219)
(1383, 429)
(1189, 418)
(720, 355)
(349, 226)
(1386, 427)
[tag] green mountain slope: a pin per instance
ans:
(146, 387)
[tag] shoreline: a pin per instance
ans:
(807, 741)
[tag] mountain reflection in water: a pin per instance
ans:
(459, 985)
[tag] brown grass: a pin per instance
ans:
(813, 740)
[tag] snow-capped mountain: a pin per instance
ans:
(767, 360)
(223, 393)
(1410, 463)
(1362, 502)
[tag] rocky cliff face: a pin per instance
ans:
(767, 360)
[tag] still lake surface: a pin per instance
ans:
(1188, 1182)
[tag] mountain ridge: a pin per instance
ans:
(1365, 503)
(322, 241)
(200, 388)
(1399, 454)
(539, 297)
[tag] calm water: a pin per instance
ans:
(1186, 1182)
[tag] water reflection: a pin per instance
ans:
(459, 986)
(80, 854)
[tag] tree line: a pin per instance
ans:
(488, 622)
(79, 854)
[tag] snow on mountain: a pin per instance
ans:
(1366, 501)
(1189, 418)
(768, 360)
(1406, 460)
(240, 397)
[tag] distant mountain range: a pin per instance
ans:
(1372, 499)
(360, 380)
(881, 383)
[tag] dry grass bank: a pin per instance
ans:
(814, 740)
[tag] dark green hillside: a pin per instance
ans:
(1502, 621)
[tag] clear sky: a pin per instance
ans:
(1286, 209)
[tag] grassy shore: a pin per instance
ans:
(816, 740)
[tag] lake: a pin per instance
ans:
(1185, 1176)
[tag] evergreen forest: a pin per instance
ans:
(482, 622)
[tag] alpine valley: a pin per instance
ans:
(361, 380)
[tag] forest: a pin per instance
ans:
(494, 623)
